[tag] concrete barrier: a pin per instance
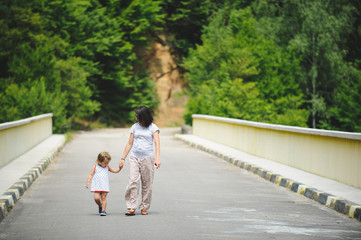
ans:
(17, 137)
(332, 154)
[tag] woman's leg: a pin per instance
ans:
(104, 200)
(147, 175)
(132, 190)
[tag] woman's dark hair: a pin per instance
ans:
(144, 116)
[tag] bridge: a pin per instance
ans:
(207, 188)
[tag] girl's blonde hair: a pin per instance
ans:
(102, 156)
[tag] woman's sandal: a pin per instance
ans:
(131, 212)
(144, 212)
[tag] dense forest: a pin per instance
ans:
(292, 62)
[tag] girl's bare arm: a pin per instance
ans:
(90, 177)
(113, 170)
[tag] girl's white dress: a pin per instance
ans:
(100, 181)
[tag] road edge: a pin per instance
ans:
(13, 194)
(338, 204)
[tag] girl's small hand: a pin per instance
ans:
(87, 185)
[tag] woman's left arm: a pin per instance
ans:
(157, 148)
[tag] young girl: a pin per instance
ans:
(141, 161)
(99, 177)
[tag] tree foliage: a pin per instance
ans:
(324, 34)
(238, 73)
(303, 56)
(291, 62)
(78, 56)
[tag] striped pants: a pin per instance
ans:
(140, 170)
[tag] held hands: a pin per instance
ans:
(121, 164)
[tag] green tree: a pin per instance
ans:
(345, 114)
(320, 32)
(185, 19)
(36, 76)
(237, 72)
(105, 36)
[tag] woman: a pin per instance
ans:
(141, 160)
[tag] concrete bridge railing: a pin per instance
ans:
(20, 136)
(332, 154)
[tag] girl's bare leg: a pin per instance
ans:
(104, 200)
(97, 199)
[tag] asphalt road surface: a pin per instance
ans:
(195, 196)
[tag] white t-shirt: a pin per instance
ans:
(143, 140)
